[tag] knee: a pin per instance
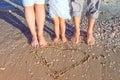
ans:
(28, 8)
(56, 21)
(62, 20)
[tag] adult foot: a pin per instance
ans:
(56, 40)
(64, 39)
(76, 38)
(90, 39)
(42, 41)
(34, 43)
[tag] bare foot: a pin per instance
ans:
(75, 38)
(42, 41)
(56, 40)
(34, 43)
(64, 39)
(90, 39)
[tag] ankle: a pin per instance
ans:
(40, 35)
(56, 37)
(90, 32)
(90, 35)
(34, 39)
(63, 36)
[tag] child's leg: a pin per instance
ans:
(92, 13)
(40, 19)
(30, 18)
(63, 29)
(56, 28)
(75, 38)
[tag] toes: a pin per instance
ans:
(91, 42)
(75, 40)
(42, 41)
(43, 44)
(56, 40)
(64, 40)
(35, 44)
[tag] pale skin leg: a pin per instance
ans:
(30, 18)
(40, 19)
(75, 38)
(92, 7)
(56, 29)
(59, 24)
(90, 37)
(63, 29)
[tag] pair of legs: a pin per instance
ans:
(59, 10)
(90, 37)
(92, 13)
(59, 26)
(36, 15)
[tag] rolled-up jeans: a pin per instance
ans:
(92, 8)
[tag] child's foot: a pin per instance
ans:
(75, 38)
(64, 39)
(34, 43)
(56, 40)
(42, 41)
(90, 39)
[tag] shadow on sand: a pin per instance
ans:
(10, 18)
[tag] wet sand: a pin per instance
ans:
(19, 61)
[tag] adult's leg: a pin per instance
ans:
(92, 14)
(75, 38)
(90, 37)
(30, 18)
(77, 8)
(40, 19)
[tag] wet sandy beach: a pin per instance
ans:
(18, 61)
